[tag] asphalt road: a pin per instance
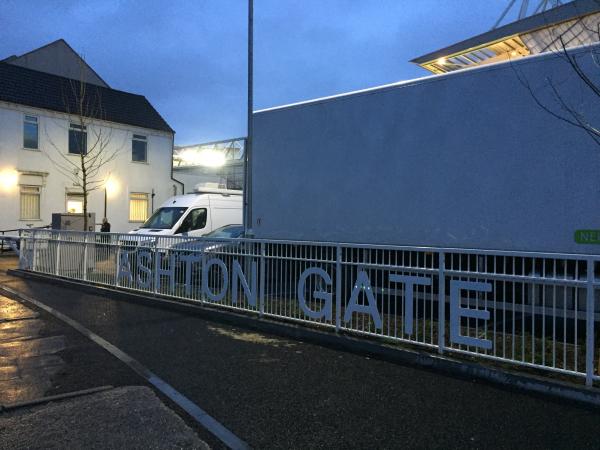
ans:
(278, 393)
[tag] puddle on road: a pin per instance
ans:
(27, 361)
(253, 338)
(12, 310)
(20, 329)
(33, 347)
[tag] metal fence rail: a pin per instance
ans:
(530, 309)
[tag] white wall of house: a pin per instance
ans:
(20, 167)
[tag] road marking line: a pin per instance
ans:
(197, 413)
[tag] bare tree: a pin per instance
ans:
(87, 169)
(585, 65)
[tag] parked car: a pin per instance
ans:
(217, 241)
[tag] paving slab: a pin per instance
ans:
(126, 417)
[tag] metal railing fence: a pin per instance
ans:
(528, 309)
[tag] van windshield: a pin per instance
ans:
(164, 218)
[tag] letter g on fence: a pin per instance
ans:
(326, 310)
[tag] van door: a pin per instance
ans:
(226, 211)
(226, 216)
(195, 223)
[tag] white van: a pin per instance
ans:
(195, 214)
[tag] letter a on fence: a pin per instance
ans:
(124, 267)
(363, 282)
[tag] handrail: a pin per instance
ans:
(3, 232)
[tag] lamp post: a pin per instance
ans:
(248, 149)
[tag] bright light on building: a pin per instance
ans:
(212, 158)
(441, 61)
(8, 179)
(111, 186)
(207, 157)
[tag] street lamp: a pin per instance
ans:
(9, 179)
(248, 147)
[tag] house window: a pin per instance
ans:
(75, 203)
(138, 207)
(139, 148)
(30, 202)
(30, 132)
(77, 139)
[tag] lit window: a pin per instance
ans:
(30, 202)
(138, 207)
(30, 132)
(75, 203)
(139, 148)
(77, 139)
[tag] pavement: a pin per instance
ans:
(40, 356)
(126, 417)
(281, 393)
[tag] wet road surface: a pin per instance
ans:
(279, 393)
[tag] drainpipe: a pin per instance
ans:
(172, 154)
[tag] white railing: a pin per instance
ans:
(528, 309)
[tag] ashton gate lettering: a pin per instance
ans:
(150, 269)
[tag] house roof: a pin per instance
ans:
(568, 11)
(59, 58)
(46, 91)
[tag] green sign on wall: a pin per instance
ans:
(587, 237)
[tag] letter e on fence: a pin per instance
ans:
(457, 312)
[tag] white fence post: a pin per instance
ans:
(202, 274)
(57, 260)
(441, 301)
(85, 256)
(118, 260)
(589, 316)
(338, 288)
(24, 244)
(157, 262)
(261, 289)
(33, 252)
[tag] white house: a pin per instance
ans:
(40, 140)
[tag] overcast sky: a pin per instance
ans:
(189, 57)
